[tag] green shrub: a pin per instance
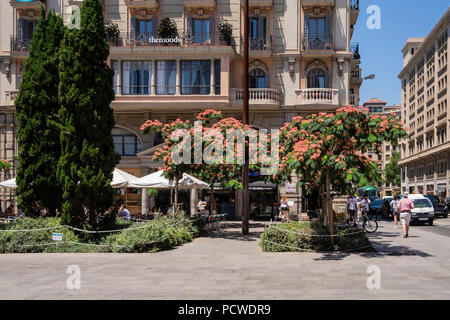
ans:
(161, 233)
(297, 236)
(33, 241)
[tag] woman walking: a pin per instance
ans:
(395, 212)
(284, 208)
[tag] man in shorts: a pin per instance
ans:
(404, 208)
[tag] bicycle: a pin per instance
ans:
(369, 225)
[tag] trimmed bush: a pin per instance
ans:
(297, 236)
(162, 233)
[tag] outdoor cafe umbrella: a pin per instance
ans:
(121, 179)
(156, 180)
(11, 183)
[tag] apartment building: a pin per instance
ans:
(381, 108)
(426, 153)
(302, 61)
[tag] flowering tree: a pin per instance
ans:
(209, 138)
(329, 149)
(4, 164)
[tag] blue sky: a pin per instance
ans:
(381, 49)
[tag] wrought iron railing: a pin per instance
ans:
(311, 41)
(153, 39)
(20, 44)
(260, 43)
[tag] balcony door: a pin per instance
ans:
(142, 30)
(258, 32)
(200, 30)
(25, 29)
(317, 78)
(317, 33)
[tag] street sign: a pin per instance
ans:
(291, 188)
(57, 236)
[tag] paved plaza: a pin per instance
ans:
(228, 266)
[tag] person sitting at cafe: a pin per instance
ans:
(123, 212)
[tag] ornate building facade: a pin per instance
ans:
(302, 61)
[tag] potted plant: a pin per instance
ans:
(225, 31)
(168, 30)
(113, 33)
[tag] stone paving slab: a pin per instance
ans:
(229, 266)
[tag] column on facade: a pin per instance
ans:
(153, 77)
(178, 78)
(145, 196)
(212, 77)
(193, 201)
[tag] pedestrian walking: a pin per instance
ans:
(358, 208)
(394, 209)
(404, 208)
(351, 207)
(284, 208)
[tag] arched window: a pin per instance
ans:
(126, 143)
(317, 78)
(257, 79)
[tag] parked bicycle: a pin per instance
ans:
(369, 224)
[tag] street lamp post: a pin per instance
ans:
(245, 168)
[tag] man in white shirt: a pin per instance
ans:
(351, 206)
(365, 204)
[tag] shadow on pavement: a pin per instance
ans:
(233, 231)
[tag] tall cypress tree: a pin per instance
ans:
(85, 93)
(36, 108)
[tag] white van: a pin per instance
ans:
(423, 209)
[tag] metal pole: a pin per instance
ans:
(245, 168)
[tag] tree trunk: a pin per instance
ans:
(213, 201)
(329, 209)
(175, 206)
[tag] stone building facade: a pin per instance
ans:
(425, 112)
(302, 61)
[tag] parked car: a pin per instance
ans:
(380, 207)
(423, 211)
(440, 208)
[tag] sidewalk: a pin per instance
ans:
(227, 265)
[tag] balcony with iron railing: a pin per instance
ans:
(150, 39)
(257, 96)
(20, 44)
(354, 99)
(356, 76)
(317, 43)
(318, 96)
(260, 43)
